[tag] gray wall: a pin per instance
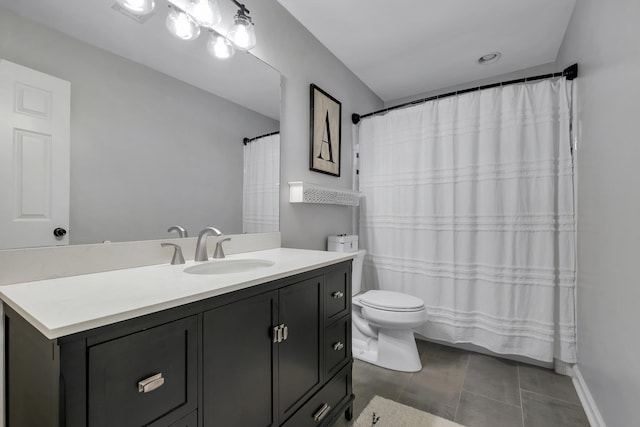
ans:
(147, 150)
(604, 38)
(527, 72)
(285, 44)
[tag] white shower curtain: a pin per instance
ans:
(261, 185)
(468, 204)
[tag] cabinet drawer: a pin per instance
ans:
(337, 346)
(321, 407)
(138, 379)
(337, 293)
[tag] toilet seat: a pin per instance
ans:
(391, 301)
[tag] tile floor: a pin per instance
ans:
(473, 389)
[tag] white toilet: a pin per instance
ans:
(383, 324)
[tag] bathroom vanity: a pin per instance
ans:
(267, 347)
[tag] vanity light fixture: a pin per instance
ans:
(205, 12)
(138, 7)
(186, 17)
(182, 25)
(219, 46)
(242, 34)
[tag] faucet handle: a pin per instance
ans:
(177, 253)
(182, 232)
(219, 252)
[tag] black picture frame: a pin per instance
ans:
(325, 132)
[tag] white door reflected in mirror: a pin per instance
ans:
(34, 158)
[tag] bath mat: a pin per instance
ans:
(393, 414)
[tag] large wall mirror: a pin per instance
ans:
(157, 123)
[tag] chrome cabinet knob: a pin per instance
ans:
(337, 295)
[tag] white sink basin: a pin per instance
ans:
(226, 266)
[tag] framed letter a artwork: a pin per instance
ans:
(326, 126)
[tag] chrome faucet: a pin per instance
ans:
(182, 232)
(201, 246)
(219, 252)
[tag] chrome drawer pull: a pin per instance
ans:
(322, 412)
(337, 294)
(338, 346)
(151, 383)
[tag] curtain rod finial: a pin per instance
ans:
(245, 141)
(571, 72)
(355, 118)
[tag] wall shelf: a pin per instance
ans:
(305, 192)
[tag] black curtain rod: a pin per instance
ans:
(570, 73)
(245, 141)
(240, 5)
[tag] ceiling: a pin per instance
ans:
(242, 79)
(402, 48)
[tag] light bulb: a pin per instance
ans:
(181, 26)
(204, 12)
(220, 47)
(138, 7)
(242, 34)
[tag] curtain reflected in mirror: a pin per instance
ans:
(261, 184)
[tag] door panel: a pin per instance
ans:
(300, 352)
(238, 362)
(34, 157)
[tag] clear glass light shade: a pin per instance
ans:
(220, 47)
(205, 12)
(242, 34)
(139, 7)
(181, 26)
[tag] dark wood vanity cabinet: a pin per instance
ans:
(266, 356)
(277, 354)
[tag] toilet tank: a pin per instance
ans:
(356, 272)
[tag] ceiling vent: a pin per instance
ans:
(489, 58)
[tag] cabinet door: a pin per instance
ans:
(238, 362)
(299, 355)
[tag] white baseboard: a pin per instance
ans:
(563, 368)
(589, 405)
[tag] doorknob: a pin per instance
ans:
(59, 232)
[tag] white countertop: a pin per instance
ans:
(68, 305)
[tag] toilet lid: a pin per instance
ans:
(393, 301)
